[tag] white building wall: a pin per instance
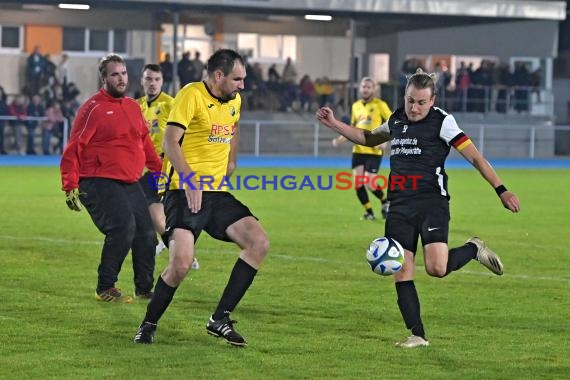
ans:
(326, 56)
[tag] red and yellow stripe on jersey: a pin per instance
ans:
(156, 115)
(209, 125)
(461, 141)
(368, 116)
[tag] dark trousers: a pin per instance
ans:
(120, 212)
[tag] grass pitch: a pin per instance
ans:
(315, 310)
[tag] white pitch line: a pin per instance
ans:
(275, 255)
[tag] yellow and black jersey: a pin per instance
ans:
(369, 116)
(156, 115)
(209, 125)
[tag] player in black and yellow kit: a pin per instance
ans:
(367, 113)
(422, 136)
(155, 106)
(200, 144)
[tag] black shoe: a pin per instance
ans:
(368, 216)
(144, 295)
(145, 333)
(225, 328)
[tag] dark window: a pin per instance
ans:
(10, 37)
(74, 39)
(120, 41)
(98, 40)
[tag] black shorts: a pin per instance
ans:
(426, 218)
(220, 210)
(150, 192)
(371, 162)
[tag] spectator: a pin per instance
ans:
(53, 126)
(167, 71)
(306, 93)
(35, 109)
(50, 74)
(3, 112)
(289, 85)
(62, 72)
(504, 81)
(443, 80)
(18, 109)
(462, 83)
(185, 70)
(71, 92)
(197, 68)
(273, 79)
(273, 75)
(325, 92)
(35, 70)
(522, 81)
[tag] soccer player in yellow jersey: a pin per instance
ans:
(200, 143)
(155, 106)
(367, 113)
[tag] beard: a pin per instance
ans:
(230, 96)
(115, 91)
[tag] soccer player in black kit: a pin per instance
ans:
(422, 136)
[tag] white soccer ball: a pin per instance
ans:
(385, 256)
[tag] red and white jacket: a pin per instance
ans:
(109, 139)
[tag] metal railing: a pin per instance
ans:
(310, 138)
(498, 140)
(23, 120)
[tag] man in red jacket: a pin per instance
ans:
(107, 151)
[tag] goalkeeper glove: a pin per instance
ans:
(72, 200)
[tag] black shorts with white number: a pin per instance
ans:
(371, 162)
(427, 218)
(219, 210)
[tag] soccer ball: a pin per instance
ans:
(385, 256)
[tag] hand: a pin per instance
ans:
(230, 169)
(72, 200)
(335, 142)
(510, 201)
(194, 197)
(326, 116)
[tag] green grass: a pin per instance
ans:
(315, 310)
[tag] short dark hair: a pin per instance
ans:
(223, 59)
(152, 67)
(105, 61)
(420, 80)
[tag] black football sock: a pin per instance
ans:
(240, 279)
(379, 194)
(362, 195)
(160, 300)
(409, 305)
(460, 256)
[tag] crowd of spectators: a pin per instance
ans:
(282, 90)
(48, 98)
(491, 87)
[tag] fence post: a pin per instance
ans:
(257, 133)
(316, 140)
(481, 139)
(532, 142)
(65, 133)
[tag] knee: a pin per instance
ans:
(178, 270)
(261, 245)
(436, 270)
(258, 248)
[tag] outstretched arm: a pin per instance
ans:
(508, 198)
(358, 136)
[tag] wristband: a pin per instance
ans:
(500, 189)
